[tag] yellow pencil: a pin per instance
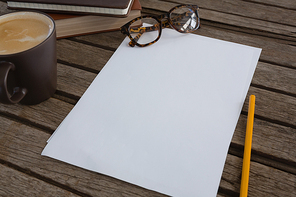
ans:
(247, 150)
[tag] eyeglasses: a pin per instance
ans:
(146, 30)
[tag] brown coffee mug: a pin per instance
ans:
(28, 63)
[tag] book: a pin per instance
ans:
(68, 25)
(100, 7)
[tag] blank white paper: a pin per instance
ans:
(161, 117)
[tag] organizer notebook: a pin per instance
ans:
(161, 117)
(101, 7)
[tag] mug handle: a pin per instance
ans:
(18, 93)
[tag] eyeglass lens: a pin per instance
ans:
(146, 32)
(184, 19)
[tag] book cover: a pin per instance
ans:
(68, 25)
(101, 7)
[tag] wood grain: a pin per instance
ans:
(82, 55)
(47, 115)
(275, 77)
(270, 140)
(248, 9)
(273, 51)
(263, 17)
(270, 105)
(283, 3)
(15, 183)
(73, 81)
(261, 179)
(110, 40)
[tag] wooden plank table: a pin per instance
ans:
(267, 24)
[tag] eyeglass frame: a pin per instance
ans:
(167, 23)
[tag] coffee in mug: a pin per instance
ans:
(27, 57)
(19, 33)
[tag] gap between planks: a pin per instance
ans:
(42, 178)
